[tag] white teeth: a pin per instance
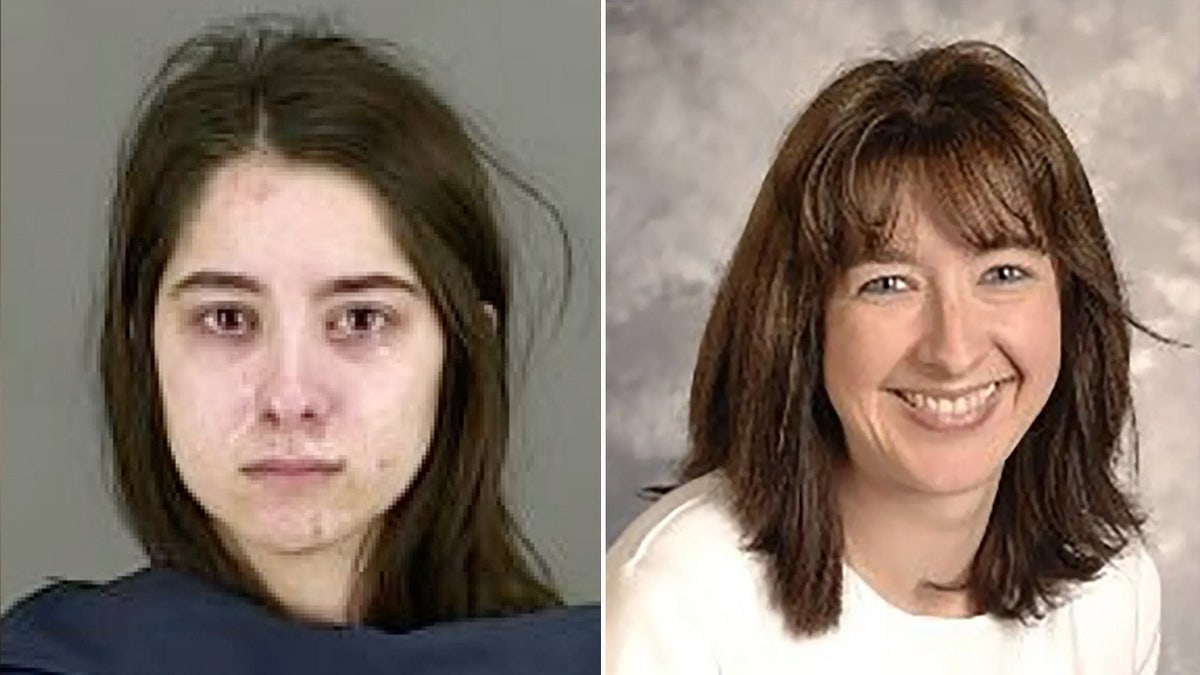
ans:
(957, 406)
(974, 399)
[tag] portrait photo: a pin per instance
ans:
(784, 348)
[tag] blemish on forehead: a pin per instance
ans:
(253, 182)
(248, 180)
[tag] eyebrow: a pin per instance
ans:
(217, 280)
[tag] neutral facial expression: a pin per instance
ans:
(298, 356)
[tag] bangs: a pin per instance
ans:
(972, 178)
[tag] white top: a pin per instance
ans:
(683, 597)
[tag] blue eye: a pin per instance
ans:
(885, 285)
(1006, 274)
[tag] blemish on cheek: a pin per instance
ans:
(384, 463)
(315, 528)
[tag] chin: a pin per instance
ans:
(295, 533)
(971, 472)
(291, 543)
(948, 486)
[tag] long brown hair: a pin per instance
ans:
(301, 90)
(968, 128)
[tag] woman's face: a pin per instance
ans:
(298, 356)
(938, 358)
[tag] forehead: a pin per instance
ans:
(262, 215)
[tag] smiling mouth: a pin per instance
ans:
(964, 409)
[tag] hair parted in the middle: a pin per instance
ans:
(302, 91)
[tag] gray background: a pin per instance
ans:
(527, 71)
(698, 97)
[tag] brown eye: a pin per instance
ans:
(360, 322)
(229, 321)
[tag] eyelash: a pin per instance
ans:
(341, 326)
(382, 320)
(209, 321)
(1022, 273)
(875, 286)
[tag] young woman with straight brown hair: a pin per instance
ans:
(908, 409)
(305, 360)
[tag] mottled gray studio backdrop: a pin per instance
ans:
(699, 94)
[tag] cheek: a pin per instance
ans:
(396, 406)
(396, 422)
(1034, 337)
(403, 406)
(860, 353)
(204, 402)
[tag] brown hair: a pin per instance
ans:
(300, 90)
(968, 128)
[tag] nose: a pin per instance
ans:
(290, 392)
(954, 336)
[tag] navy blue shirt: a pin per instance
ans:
(161, 621)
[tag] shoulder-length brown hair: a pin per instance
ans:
(300, 90)
(968, 128)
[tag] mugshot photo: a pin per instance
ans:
(887, 286)
(301, 331)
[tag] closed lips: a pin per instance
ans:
(293, 466)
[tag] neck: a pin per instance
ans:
(902, 542)
(319, 586)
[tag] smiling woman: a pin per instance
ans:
(305, 364)
(908, 406)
